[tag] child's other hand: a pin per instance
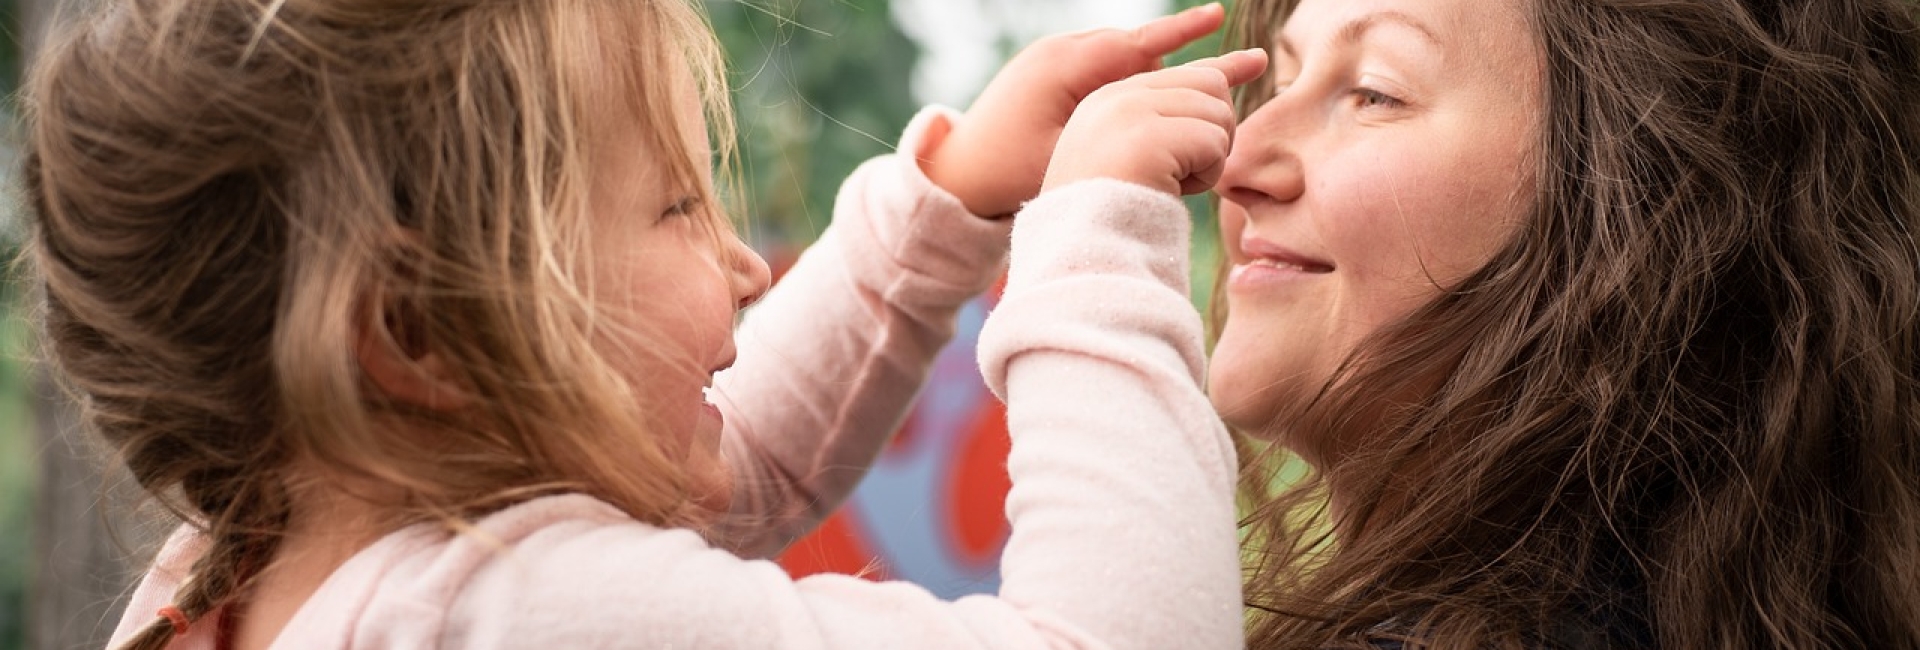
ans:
(1169, 129)
(995, 158)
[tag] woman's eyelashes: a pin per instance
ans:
(1365, 97)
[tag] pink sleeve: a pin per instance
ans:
(831, 359)
(1122, 500)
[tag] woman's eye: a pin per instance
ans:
(1366, 96)
(1370, 98)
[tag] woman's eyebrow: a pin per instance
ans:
(1354, 30)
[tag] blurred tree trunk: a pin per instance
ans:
(83, 566)
(82, 571)
(34, 16)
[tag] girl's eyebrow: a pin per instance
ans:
(1354, 30)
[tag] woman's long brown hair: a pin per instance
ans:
(1682, 407)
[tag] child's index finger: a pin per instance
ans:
(1240, 66)
(1165, 35)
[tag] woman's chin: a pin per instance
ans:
(1247, 412)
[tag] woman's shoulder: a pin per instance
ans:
(1581, 636)
(1594, 624)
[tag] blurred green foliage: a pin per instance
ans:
(819, 88)
(16, 428)
(16, 479)
(822, 86)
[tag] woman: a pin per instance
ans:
(1598, 322)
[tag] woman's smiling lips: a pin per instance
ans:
(1260, 262)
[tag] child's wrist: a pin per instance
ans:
(943, 161)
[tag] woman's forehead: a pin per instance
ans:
(1456, 24)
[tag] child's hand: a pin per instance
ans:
(994, 159)
(1169, 129)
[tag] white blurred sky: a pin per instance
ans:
(961, 40)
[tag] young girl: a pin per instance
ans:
(417, 313)
(1598, 321)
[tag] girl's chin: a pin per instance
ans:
(712, 490)
(715, 499)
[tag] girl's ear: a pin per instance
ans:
(400, 363)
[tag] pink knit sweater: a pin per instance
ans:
(1121, 507)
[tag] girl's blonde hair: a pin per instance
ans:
(229, 195)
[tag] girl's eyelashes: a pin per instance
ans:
(683, 207)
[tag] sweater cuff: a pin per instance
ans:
(915, 226)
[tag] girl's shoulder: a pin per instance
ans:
(573, 572)
(431, 568)
(548, 546)
(566, 569)
(570, 571)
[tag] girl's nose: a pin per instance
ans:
(749, 275)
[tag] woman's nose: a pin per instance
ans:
(1264, 164)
